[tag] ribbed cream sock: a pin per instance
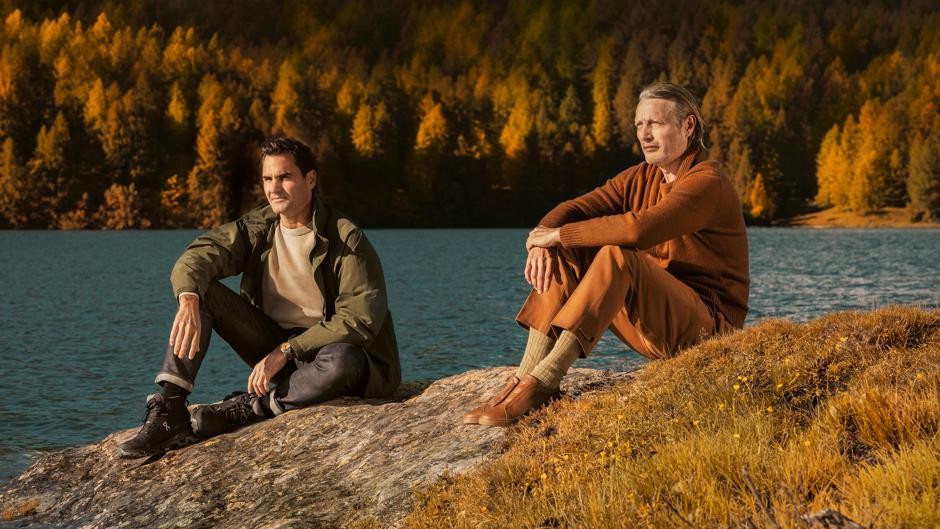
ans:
(536, 349)
(551, 370)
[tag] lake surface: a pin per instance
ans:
(85, 314)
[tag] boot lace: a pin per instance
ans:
(237, 409)
(156, 416)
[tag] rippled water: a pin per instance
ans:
(85, 314)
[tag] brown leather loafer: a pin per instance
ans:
(528, 395)
(473, 416)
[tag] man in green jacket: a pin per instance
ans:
(312, 319)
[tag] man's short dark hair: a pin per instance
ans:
(302, 154)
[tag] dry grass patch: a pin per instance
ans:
(753, 429)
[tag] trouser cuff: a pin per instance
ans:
(274, 405)
(173, 379)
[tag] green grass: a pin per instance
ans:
(752, 429)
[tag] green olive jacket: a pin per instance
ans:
(345, 267)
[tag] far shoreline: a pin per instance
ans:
(886, 218)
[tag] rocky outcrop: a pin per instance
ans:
(325, 466)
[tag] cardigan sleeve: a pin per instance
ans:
(690, 206)
(607, 199)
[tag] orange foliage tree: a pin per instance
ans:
(531, 103)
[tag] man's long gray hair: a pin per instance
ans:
(685, 106)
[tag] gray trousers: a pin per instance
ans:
(339, 369)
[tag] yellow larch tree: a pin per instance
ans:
(602, 125)
(13, 188)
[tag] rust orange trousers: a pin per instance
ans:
(625, 290)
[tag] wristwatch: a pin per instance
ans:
(288, 351)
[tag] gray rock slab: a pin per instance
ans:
(324, 466)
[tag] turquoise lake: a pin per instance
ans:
(85, 314)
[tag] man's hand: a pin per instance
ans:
(186, 330)
(543, 237)
(539, 267)
(264, 371)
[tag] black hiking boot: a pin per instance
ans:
(166, 427)
(236, 410)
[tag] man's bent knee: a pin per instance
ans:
(338, 370)
(623, 256)
(342, 364)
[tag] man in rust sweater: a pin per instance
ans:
(658, 254)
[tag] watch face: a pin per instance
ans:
(285, 347)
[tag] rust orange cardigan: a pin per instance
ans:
(693, 227)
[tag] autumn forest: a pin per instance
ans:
(148, 113)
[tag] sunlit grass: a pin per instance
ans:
(757, 429)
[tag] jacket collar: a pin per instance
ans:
(319, 215)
